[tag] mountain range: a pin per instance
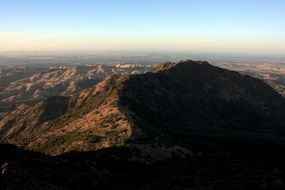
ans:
(166, 118)
(192, 104)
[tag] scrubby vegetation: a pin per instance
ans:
(55, 143)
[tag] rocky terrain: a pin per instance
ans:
(31, 84)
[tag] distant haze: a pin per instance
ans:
(217, 26)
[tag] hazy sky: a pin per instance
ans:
(224, 26)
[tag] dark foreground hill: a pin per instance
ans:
(116, 168)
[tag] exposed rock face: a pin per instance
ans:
(191, 104)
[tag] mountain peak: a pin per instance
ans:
(181, 65)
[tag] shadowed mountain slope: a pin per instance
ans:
(196, 103)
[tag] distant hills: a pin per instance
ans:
(31, 84)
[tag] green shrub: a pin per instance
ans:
(55, 143)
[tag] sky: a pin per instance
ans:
(222, 26)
